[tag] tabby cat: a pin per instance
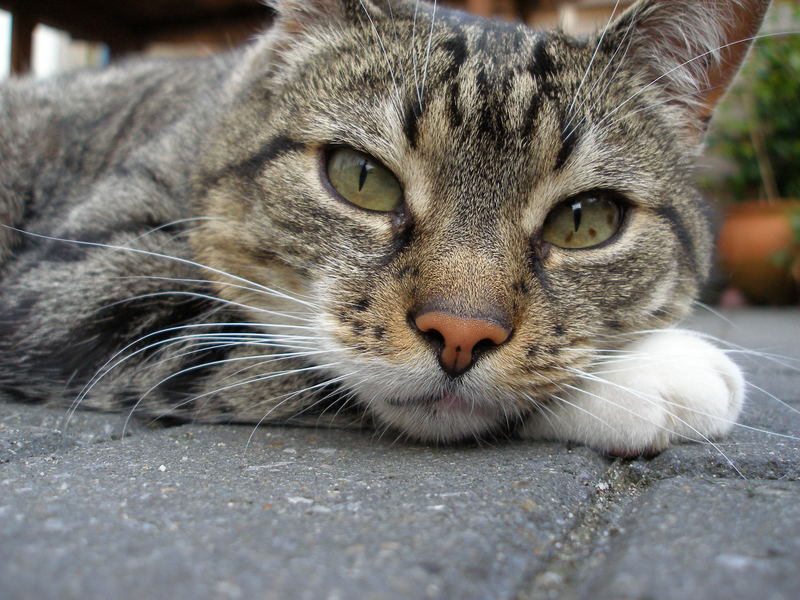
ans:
(381, 212)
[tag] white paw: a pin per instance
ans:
(670, 386)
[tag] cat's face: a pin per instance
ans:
(519, 200)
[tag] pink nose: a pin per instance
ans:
(461, 340)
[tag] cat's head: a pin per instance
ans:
(469, 208)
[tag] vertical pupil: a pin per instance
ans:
(362, 177)
(577, 213)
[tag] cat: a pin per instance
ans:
(380, 213)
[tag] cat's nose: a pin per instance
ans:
(460, 340)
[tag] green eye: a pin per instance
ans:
(363, 181)
(584, 221)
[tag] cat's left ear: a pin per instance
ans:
(690, 48)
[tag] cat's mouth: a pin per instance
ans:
(449, 417)
(449, 407)
(455, 404)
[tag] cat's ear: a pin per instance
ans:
(690, 48)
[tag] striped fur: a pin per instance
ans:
(224, 282)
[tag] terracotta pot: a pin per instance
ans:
(752, 236)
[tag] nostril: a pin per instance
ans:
(482, 347)
(434, 338)
(431, 335)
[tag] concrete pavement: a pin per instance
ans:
(209, 512)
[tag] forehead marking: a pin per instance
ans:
(456, 47)
(569, 139)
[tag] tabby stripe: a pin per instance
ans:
(531, 114)
(543, 64)
(251, 167)
(411, 121)
(569, 139)
(688, 252)
(457, 47)
(537, 268)
(490, 120)
(454, 112)
(544, 71)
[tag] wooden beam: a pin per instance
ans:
(89, 20)
(484, 8)
(22, 25)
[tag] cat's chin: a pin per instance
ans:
(444, 418)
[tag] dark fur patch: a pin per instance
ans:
(521, 287)
(535, 262)
(531, 114)
(454, 109)
(408, 271)
(251, 167)
(543, 65)
(363, 304)
(113, 326)
(194, 370)
(544, 72)
(456, 46)
(404, 237)
(686, 246)
(64, 253)
(411, 121)
(490, 122)
(570, 134)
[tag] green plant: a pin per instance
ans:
(758, 129)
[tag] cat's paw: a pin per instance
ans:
(668, 387)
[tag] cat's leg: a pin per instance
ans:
(668, 387)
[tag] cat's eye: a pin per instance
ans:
(363, 181)
(583, 221)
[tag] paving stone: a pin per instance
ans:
(699, 538)
(32, 430)
(198, 512)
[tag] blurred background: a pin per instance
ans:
(751, 170)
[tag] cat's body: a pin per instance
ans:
(450, 314)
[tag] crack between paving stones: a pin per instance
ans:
(584, 548)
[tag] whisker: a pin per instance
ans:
(688, 62)
(775, 398)
(591, 61)
(223, 301)
(626, 37)
(286, 398)
(184, 261)
(428, 53)
(107, 367)
(397, 98)
(414, 54)
(200, 281)
(249, 381)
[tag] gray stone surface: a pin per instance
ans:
(743, 537)
(225, 512)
